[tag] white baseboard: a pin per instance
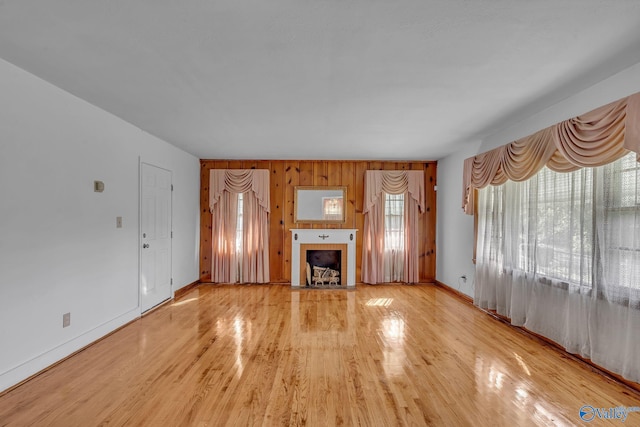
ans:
(31, 367)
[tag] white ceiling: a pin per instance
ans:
(325, 79)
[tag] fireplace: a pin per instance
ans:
(323, 258)
(322, 265)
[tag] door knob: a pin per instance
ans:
(145, 246)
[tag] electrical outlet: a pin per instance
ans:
(66, 320)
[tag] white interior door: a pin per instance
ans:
(155, 238)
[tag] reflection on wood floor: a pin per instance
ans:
(270, 355)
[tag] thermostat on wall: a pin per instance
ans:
(98, 186)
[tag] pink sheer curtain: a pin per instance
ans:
(251, 264)
(593, 139)
(224, 259)
(376, 183)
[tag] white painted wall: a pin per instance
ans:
(618, 86)
(454, 229)
(60, 250)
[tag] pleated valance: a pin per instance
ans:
(592, 139)
(393, 182)
(239, 181)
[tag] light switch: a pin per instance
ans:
(118, 222)
(66, 320)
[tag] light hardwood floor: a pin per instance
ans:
(270, 355)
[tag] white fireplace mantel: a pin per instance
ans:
(315, 236)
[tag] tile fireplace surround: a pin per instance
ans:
(319, 239)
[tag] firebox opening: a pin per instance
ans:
(324, 267)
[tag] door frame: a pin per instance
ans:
(140, 203)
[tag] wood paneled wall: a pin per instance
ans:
(285, 175)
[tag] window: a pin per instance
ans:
(579, 230)
(394, 221)
(393, 237)
(622, 212)
(239, 224)
(239, 236)
(559, 224)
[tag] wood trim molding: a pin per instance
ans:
(179, 293)
(633, 386)
(53, 365)
(455, 292)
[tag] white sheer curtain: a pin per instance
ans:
(560, 255)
